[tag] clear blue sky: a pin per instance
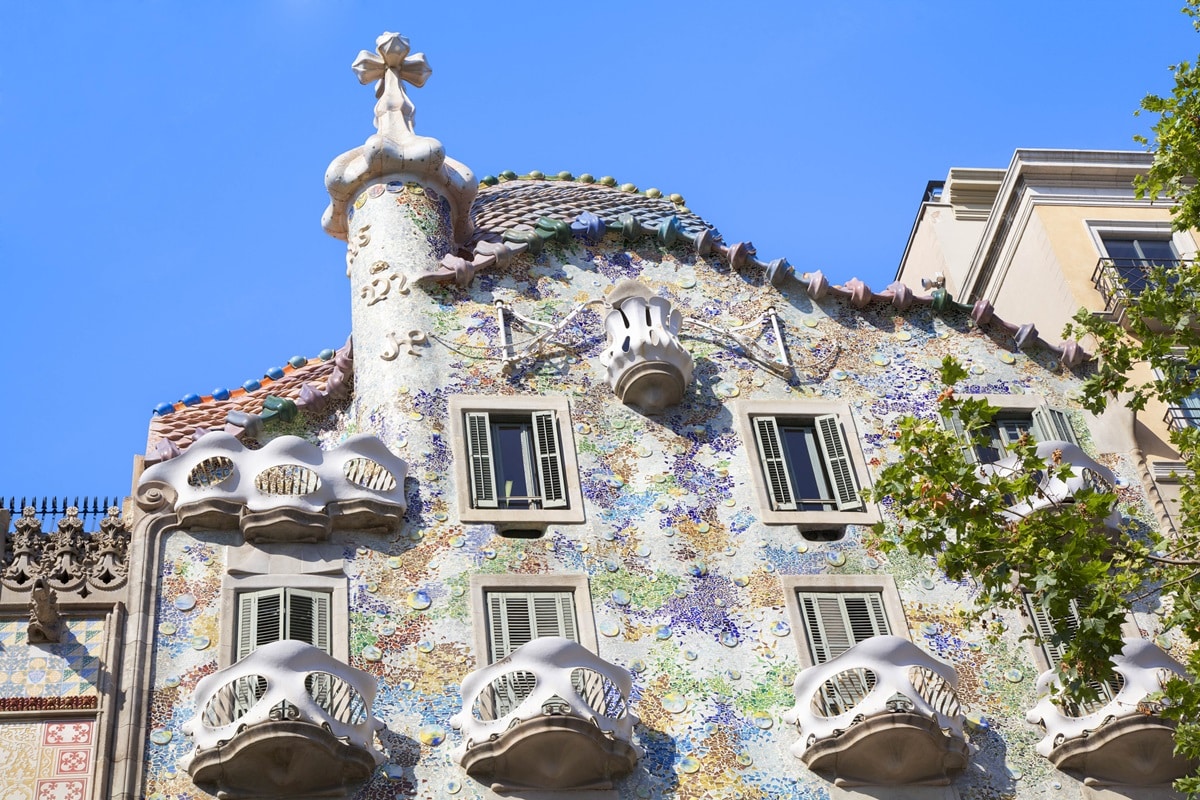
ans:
(163, 162)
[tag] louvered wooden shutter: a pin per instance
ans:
(260, 620)
(516, 618)
(1053, 423)
(479, 456)
(774, 465)
(308, 617)
(955, 426)
(838, 466)
(550, 463)
(836, 621)
(1045, 629)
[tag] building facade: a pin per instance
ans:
(1066, 222)
(580, 511)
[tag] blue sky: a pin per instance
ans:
(163, 162)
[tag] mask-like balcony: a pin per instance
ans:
(647, 365)
(290, 490)
(883, 713)
(286, 721)
(1053, 492)
(553, 716)
(1118, 740)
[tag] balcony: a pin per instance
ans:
(647, 365)
(1119, 740)
(1119, 279)
(553, 716)
(1186, 416)
(286, 721)
(883, 713)
(1052, 491)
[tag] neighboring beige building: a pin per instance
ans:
(1056, 232)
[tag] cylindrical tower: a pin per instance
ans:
(401, 206)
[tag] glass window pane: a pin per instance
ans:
(804, 463)
(510, 442)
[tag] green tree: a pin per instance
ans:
(963, 516)
(1176, 140)
(951, 510)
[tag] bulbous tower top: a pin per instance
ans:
(396, 151)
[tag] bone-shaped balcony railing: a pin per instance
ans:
(1053, 491)
(550, 676)
(883, 674)
(1141, 669)
(287, 680)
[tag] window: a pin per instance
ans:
(272, 615)
(515, 461)
(1037, 419)
(836, 621)
(808, 467)
(277, 591)
(512, 610)
(835, 612)
(1132, 257)
(1053, 634)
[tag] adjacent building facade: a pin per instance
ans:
(579, 511)
(1056, 232)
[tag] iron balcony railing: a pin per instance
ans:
(50, 509)
(1119, 279)
(1180, 417)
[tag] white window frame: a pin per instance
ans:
(884, 585)
(1041, 415)
(469, 510)
(309, 567)
(577, 585)
(747, 411)
(1097, 229)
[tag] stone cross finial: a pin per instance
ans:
(391, 66)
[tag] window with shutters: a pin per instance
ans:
(806, 464)
(515, 460)
(272, 615)
(273, 592)
(1052, 637)
(1017, 415)
(833, 613)
(511, 610)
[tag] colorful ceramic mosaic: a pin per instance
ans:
(47, 760)
(62, 675)
(683, 575)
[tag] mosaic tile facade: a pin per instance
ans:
(56, 676)
(684, 577)
(52, 760)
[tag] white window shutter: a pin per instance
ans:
(308, 617)
(260, 620)
(838, 465)
(836, 621)
(1044, 627)
(479, 455)
(550, 463)
(955, 426)
(1053, 424)
(774, 465)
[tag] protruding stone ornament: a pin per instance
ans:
(647, 366)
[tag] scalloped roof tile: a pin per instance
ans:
(504, 206)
